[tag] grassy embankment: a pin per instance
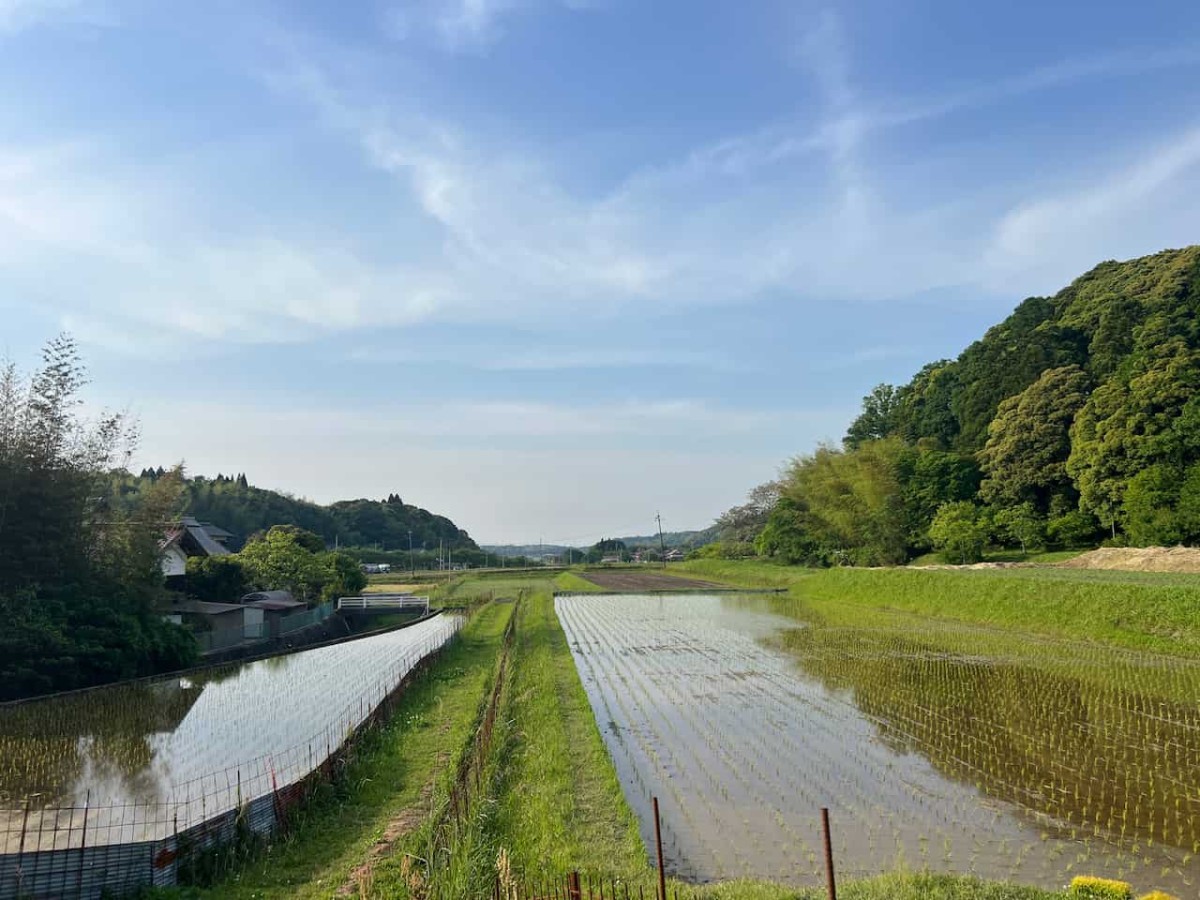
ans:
(1134, 610)
(377, 811)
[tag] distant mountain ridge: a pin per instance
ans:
(239, 507)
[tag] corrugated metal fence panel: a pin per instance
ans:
(84, 873)
(224, 638)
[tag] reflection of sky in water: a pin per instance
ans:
(743, 747)
(259, 717)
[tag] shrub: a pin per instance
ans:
(1085, 887)
(1158, 895)
(1073, 529)
(959, 531)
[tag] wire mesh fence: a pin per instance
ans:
(87, 849)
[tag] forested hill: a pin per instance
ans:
(240, 507)
(1076, 419)
(1119, 323)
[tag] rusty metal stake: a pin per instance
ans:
(24, 825)
(662, 872)
(828, 853)
(87, 805)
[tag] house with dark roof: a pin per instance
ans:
(190, 537)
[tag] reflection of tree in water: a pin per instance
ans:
(45, 746)
(1092, 753)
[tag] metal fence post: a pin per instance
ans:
(574, 891)
(24, 825)
(662, 872)
(828, 853)
(87, 805)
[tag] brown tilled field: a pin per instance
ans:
(625, 580)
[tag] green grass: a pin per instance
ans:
(1124, 613)
(560, 806)
(498, 585)
(394, 765)
(1158, 612)
(742, 573)
(569, 582)
(889, 887)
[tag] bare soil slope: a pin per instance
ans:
(624, 580)
(1138, 559)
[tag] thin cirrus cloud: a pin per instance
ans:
(701, 231)
(1154, 195)
(459, 25)
(719, 226)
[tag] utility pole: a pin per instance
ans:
(662, 548)
(412, 566)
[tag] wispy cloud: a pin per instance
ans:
(824, 48)
(460, 25)
(506, 238)
(161, 282)
(1152, 199)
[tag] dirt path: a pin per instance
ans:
(361, 877)
(625, 580)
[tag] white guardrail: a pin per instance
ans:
(384, 603)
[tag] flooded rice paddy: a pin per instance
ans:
(935, 746)
(160, 755)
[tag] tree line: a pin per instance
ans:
(1074, 421)
(231, 502)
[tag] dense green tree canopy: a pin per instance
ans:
(1078, 412)
(1029, 440)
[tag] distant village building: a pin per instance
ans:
(272, 607)
(205, 616)
(188, 538)
(675, 555)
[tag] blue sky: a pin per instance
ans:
(548, 266)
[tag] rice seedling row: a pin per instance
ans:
(950, 748)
